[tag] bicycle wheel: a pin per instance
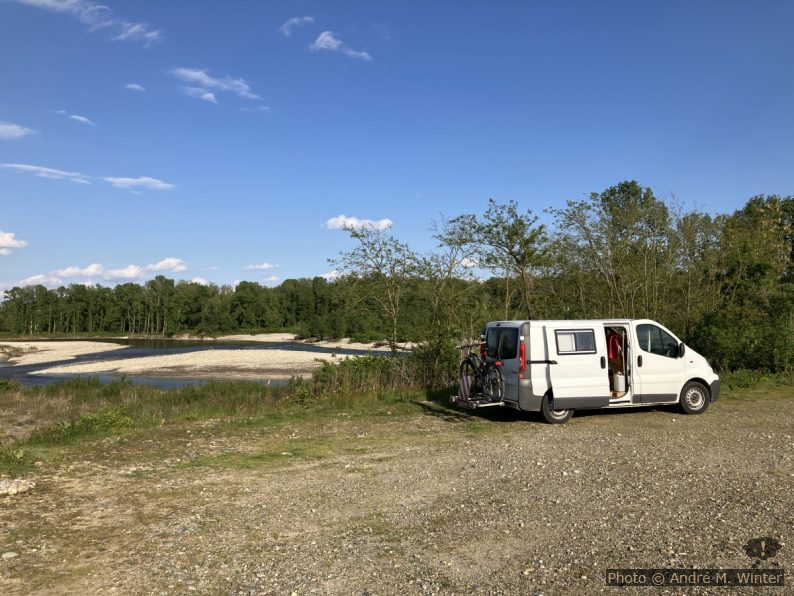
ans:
(493, 383)
(469, 380)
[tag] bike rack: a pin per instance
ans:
(473, 404)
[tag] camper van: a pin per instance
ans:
(557, 367)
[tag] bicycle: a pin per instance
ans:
(480, 377)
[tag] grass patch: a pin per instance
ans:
(742, 383)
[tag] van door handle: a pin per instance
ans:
(639, 360)
(603, 362)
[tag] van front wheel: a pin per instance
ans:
(695, 398)
(551, 415)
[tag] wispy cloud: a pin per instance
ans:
(44, 172)
(202, 85)
(11, 132)
(99, 17)
(264, 109)
(343, 222)
(200, 94)
(331, 275)
(81, 119)
(135, 87)
(260, 267)
(271, 279)
(295, 23)
(142, 181)
(200, 280)
(145, 182)
(75, 117)
(8, 242)
(327, 40)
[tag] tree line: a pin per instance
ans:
(724, 283)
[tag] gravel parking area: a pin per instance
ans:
(435, 502)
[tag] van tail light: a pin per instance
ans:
(522, 359)
(498, 363)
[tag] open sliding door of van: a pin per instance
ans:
(578, 368)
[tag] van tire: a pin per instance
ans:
(695, 398)
(551, 415)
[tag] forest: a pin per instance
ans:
(724, 283)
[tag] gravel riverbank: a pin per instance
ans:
(432, 503)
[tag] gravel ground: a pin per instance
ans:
(438, 502)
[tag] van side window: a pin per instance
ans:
(657, 341)
(575, 341)
(508, 344)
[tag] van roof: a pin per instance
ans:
(569, 321)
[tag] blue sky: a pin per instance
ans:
(196, 139)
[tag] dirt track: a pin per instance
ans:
(429, 503)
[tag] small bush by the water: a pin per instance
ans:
(93, 423)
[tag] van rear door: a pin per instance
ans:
(578, 367)
(502, 340)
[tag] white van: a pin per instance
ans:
(579, 365)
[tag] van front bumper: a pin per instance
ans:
(715, 390)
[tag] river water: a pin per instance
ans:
(136, 348)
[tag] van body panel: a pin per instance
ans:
(660, 372)
(578, 375)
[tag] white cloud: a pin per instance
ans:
(97, 16)
(40, 279)
(168, 264)
(271, 279)
(92, 270)
(77, 177)
(200, 94)
(137, 32)
(142, 181)
(331, 275)
(327, 41)
(260, 267)
(200, 280)
(201, 81)
(11, 132)
(75, 117)
(257, 109)
(44, 172)
(8, 242)
(294, 23)
(81, 119)
(343, 222)
(135, 87)
(128, 272)
(468, 262)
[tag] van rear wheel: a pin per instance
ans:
(551, 415)
(695, 398)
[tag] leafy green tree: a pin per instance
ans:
(507, 242)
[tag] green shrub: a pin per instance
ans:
(100, 422)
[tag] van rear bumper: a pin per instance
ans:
(715, 390)
(527, 401)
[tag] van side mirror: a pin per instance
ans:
(681, 350)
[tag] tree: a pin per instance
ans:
(381, 267)
(508, 242)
